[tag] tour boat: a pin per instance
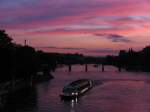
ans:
(76, 89)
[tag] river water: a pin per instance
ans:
(120, 92)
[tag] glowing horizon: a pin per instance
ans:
(94, 27)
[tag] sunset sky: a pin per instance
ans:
(91, 27)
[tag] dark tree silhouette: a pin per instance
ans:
(19, 62)
(6, 53)
(132, 60)
(5, 40)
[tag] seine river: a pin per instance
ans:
(120, 92)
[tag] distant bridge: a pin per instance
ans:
(96, 65)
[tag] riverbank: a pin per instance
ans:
(10, 87)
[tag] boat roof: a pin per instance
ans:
(80, 81)
(77, 83)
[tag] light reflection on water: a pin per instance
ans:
(120, 92)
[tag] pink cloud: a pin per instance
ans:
(77, 18)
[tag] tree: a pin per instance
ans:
(5, 40)
(6, 52)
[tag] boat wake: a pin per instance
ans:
(97, 82)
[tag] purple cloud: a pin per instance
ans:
(102, 51)
(114, 37)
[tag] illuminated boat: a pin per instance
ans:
(76, 89)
